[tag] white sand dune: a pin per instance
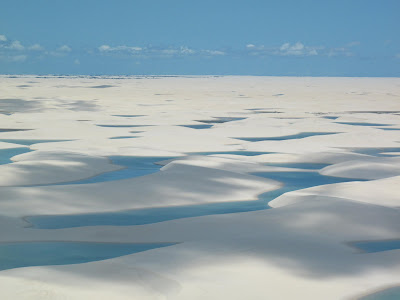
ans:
(175, 185)
(232, 256)
(365, 169)
(302, 247)
(378, 192)
(41, 167)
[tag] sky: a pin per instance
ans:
(207, 37)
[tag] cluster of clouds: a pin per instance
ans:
(300, 50)
(151, 51)
(15, 51)
(286, 49)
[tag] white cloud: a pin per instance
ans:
(16, 45)
(36, 47)
(214, 52)
(284, 47)
(60, 51)
(340, 51)
(3, 38)
(151, 51)
(64, 48)
(297, 49)
(107, 48)
(136, 48)
(104, 48)
(186, 50)
(167, 51)
(397, 55)
(300, 49)
(77, 62)
(313, 52)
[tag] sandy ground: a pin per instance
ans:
(300, 248)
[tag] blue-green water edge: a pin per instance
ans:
(140, 166)
(7, 154)
(135, 166)
(291, 180)
(375, 151)
(14, 255)
(388, 294)
(28, 142)
(27, 254)
(377, 246)
(285, 137)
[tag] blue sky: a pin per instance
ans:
(237, 37)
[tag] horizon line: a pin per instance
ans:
(188, 75)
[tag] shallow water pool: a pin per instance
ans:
(377, 246)
(135, 166)
(301, 135)
(200, 126)
(362, 124)
(375, 151)
(122, 137)
(27, 254)
(310, 166)
(28, 142)
(291, 180)
(122, 126)
(219, 120)
(237, 152)
(388, 294)
(7, 154)
(296, 181)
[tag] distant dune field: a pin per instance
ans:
(199, 187)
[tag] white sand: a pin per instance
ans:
(42, 167)
(298, 249)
